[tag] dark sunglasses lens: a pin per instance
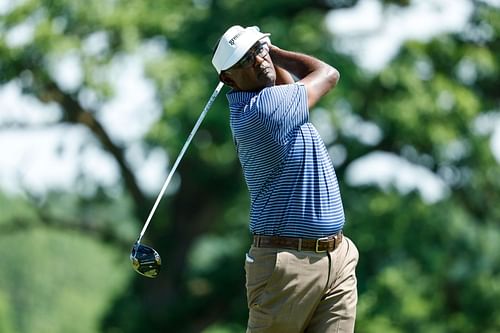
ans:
(263, 50)
(145, 260)
(249, 58)
(246, 60)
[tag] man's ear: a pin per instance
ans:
(227, 79)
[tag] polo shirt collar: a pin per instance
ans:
(236, 96)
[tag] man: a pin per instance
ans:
(300, 269)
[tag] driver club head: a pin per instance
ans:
(145, 260)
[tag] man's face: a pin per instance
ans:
(253, 72)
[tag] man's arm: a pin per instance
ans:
(317, 76)
(283, 76)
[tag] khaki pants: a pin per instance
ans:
(290, 291)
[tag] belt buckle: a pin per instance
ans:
(317, 250)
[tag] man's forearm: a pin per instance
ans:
(283, 76)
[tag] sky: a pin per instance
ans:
(373, 34)
(51, 156)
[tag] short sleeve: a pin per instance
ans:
(282, 109)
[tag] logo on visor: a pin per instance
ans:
(233, 40)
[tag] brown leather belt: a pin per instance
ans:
(319, 245)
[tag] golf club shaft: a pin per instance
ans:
(181, 154)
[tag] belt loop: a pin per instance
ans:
(300, 244)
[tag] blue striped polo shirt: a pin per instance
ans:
(287, 168)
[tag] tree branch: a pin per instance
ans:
(74, 113)
(102, 233)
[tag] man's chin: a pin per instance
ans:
(269, 79)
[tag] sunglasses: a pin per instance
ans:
(261, 50)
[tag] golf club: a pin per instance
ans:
(146, 260)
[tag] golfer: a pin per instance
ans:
(300, 269)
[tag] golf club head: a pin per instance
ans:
(145, 260)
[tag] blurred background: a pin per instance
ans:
(97, 98)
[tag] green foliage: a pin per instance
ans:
(50, 278)
(5, 315)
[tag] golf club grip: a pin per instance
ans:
(181, 154)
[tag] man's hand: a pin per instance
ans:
(282, 75)
(317, 76)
